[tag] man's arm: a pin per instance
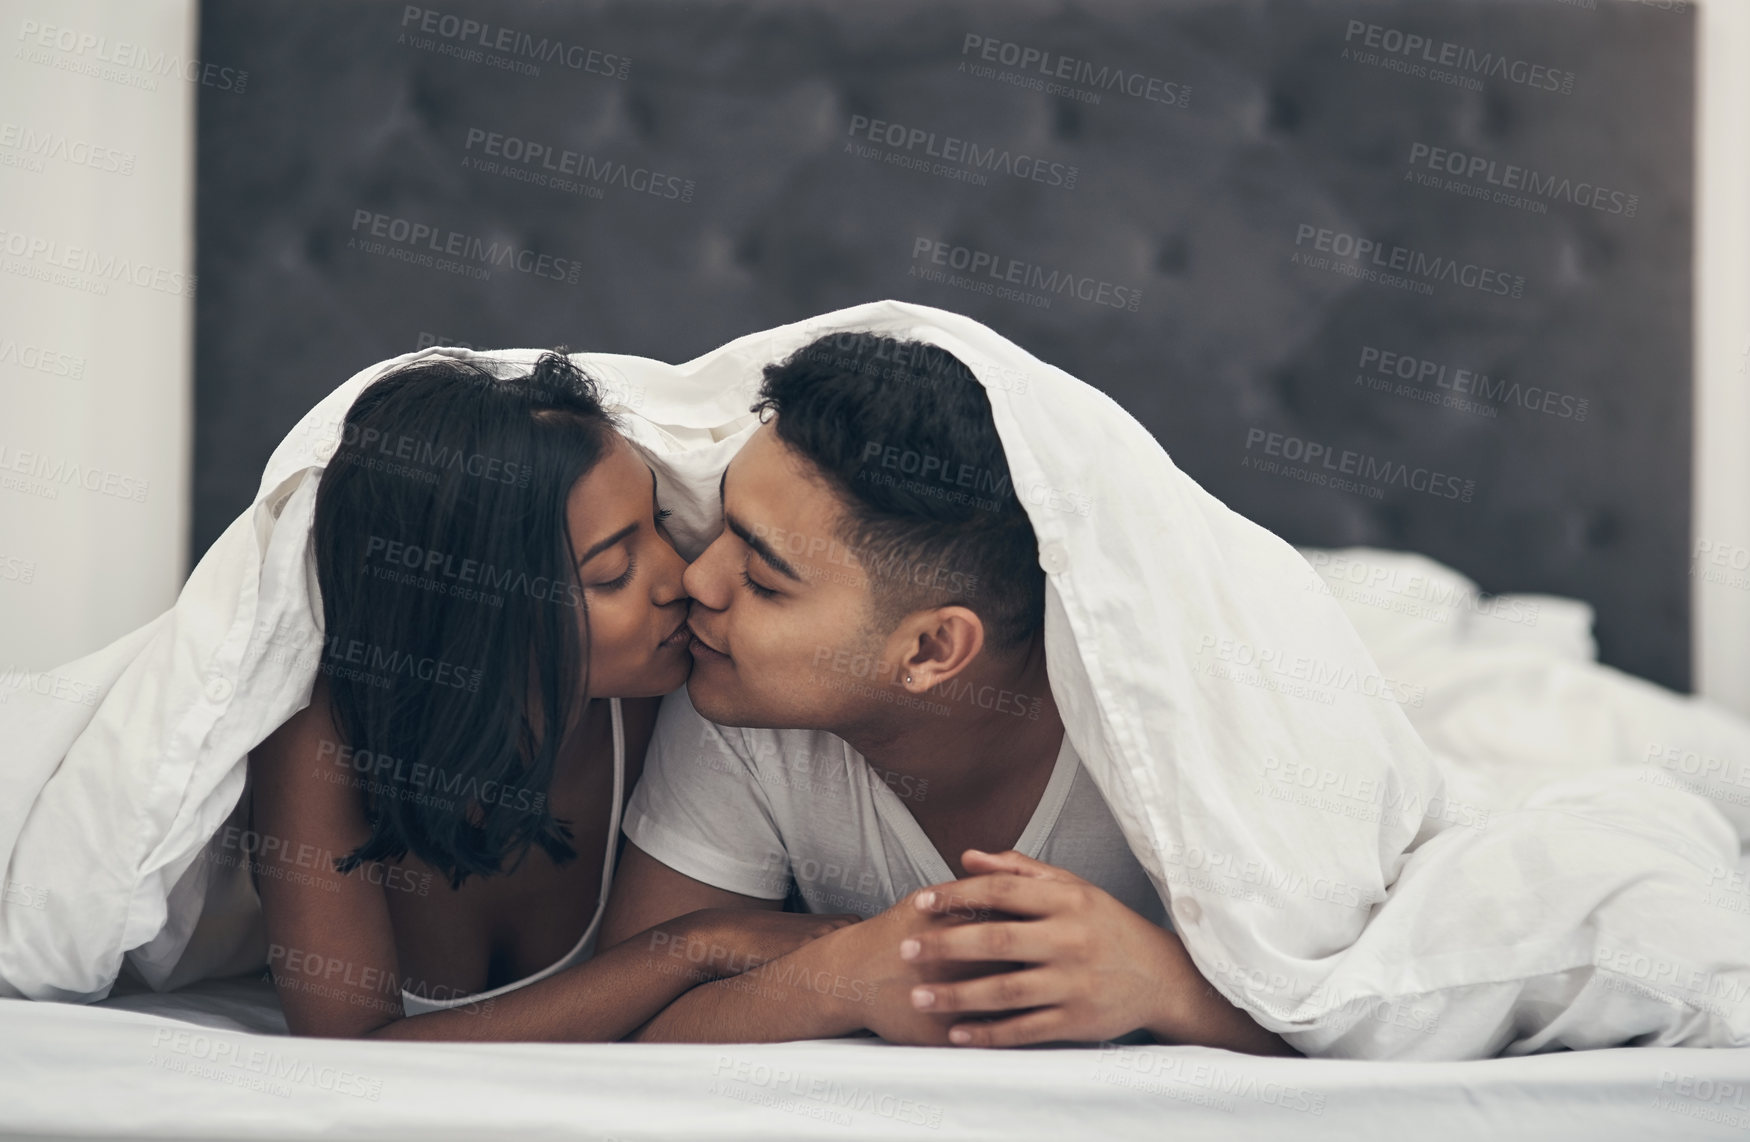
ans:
(647, 892)
(773, 1002)
(803, 995)
(848, 980)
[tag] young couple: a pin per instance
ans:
(855, 811)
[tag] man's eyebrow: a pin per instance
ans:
(618, 536)
(760, 547)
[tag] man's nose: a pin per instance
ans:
(702, 581)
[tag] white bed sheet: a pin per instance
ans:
(121, 1069)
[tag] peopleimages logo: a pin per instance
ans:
(1159, 1072)
(469, 39)
(428, 456)
(1027, 275)
(905, 141)
(34, 146)
(461, 578)
(520, 156)
(17, 569)
(233, 1062)
(134, 65)
(1393, 259)
(1510, 177)
(1051, 66)
(389, 776)
(41, 360)
(458, 252)
(1344, 461)
(14, 679)
(1378, 366)
(375, 665)
(822, 1099)
(41, 474)
(48, 259)
(1424, 58)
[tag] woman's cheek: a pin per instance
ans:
(609, 634)
(600, 626)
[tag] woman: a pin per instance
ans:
(438, 827)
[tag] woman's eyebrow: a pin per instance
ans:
(623, 533)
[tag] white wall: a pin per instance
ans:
(1721, 556)
(83, 558)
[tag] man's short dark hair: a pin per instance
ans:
(902, 432)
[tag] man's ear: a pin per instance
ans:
(936, 645)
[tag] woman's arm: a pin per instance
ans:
(614, 993)
(331, 942)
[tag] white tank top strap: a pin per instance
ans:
(585, 947)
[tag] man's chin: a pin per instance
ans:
(713, 700)
(727, 705)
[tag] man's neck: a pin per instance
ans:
(987, 767)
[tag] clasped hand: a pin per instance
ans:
(1021, 952)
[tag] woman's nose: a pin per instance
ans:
(669, 584)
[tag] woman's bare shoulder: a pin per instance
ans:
(305, 763)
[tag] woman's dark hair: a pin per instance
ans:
(451, 605)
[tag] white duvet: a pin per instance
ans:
(1385, 830)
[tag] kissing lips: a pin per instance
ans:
(677, 637)
(702, 650)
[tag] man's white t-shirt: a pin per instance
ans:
(758, 812)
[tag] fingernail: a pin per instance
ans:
(959, 1035)
(908, 949)
(927, 900)
(977, 852)
(922, 997)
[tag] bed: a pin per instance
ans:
(1195, 208)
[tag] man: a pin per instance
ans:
(871, 617)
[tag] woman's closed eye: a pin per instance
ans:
(624, 578)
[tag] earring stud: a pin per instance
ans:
(908, 678)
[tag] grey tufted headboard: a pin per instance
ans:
(1406, 273)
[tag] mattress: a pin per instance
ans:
(212, 1061)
